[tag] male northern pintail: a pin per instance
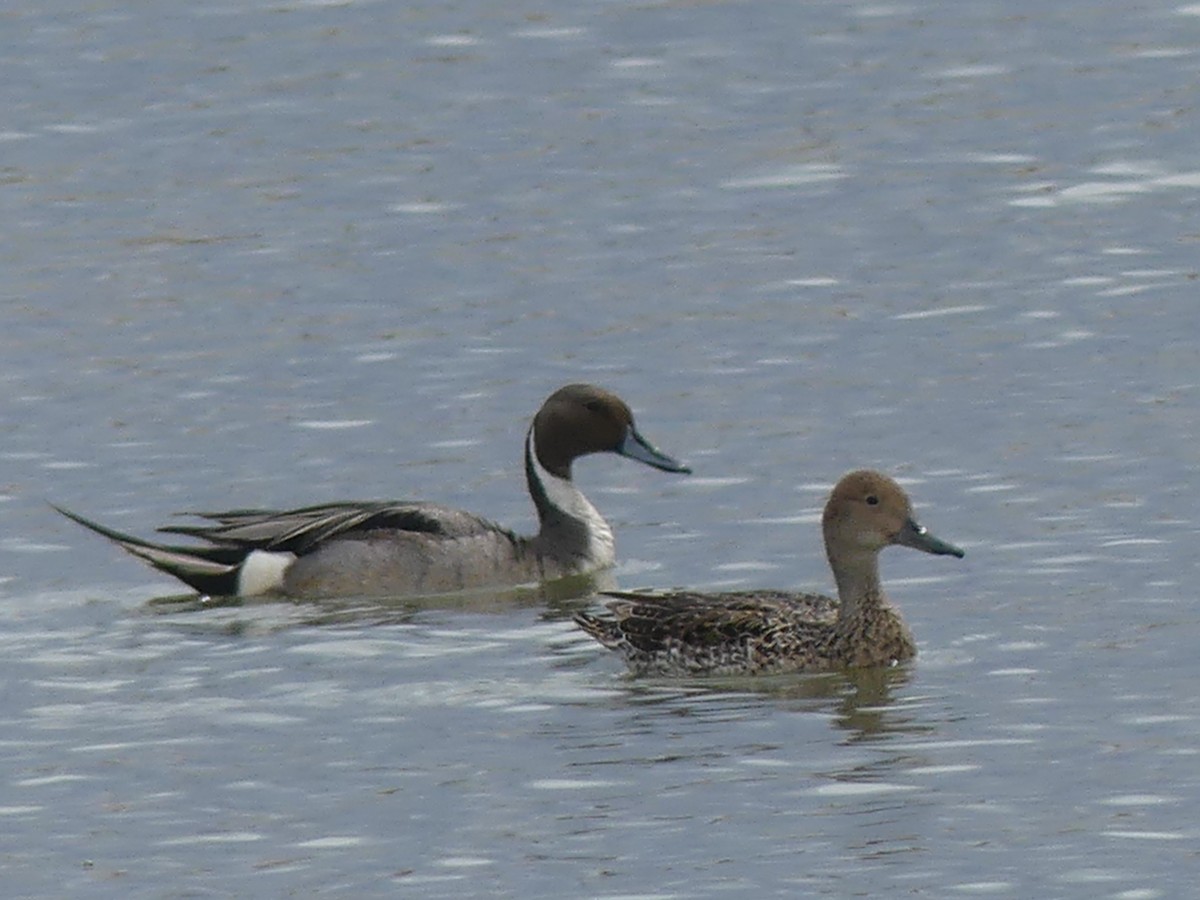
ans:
(412, 547)
(761, 632)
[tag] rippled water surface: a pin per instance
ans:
(285, 253)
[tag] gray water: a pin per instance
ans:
(285, 253)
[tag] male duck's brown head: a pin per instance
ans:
(579, 419)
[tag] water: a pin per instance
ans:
(288, 253)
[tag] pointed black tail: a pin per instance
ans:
(209, 570)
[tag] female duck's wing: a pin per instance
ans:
(771, 604)
(731, 633)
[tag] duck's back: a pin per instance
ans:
(679, 605)
(394, 562)
(300, 531)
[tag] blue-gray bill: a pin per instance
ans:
(919, 538)
(634, 446)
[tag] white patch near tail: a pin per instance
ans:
(262, 572)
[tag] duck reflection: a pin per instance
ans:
(562, 598)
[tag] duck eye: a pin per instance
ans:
(592, 406)
(872, 500)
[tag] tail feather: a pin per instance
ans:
(210, 570)
(606, 631)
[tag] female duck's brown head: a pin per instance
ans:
(868, 511)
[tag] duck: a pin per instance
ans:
(763, 632)
(413, 548)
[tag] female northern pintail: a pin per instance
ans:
(413, 547)
(761, 632)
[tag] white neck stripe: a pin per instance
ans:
(562, 494)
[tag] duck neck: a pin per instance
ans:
(859, 588)
(571, 529)
(869, 630)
